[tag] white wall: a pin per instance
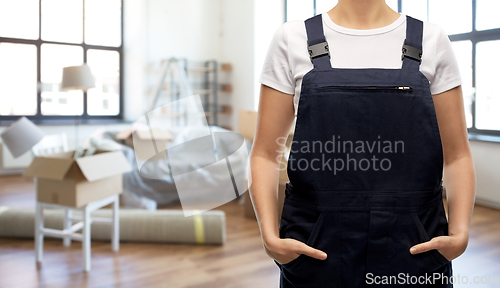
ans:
(134, 57)
(487, 163)
(161, 29)
(238, 49)
(269, 15)
(184, 28)
(248, 27)
(234, 31)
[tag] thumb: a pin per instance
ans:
(312, 252)
(426, 246)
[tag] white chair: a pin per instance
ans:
(56, 144)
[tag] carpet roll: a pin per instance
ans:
(164, 226)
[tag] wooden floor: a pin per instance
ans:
(240, 263)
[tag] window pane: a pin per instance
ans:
(487, 93)
(299, 9)
(325, 5)
(455, 16)
(62, 20)
(105, 98)
(18, 87)
(487, 14)
(415, 8)
(103, 22)
(19, 19)
(463, 53)
(54, 59)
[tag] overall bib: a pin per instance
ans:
(365, 172)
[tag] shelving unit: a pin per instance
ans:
(204, 78)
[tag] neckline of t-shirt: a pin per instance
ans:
(328, 21)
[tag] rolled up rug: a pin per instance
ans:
(164, 226)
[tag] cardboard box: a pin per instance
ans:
(77, 182)
(161, 137)
(247, 124)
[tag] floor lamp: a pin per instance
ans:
(77, 78)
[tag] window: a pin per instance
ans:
(40, 37)
(474, 30)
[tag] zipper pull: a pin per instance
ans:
(403, 88)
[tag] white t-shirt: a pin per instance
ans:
(287, 59)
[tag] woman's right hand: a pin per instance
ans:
(287, 249)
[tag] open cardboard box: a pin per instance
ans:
(60, 179)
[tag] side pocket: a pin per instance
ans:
(425, 237)
(311, 239)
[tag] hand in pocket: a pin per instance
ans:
(449, 246)
(286, 250)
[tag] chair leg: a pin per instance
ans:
(115, 227)
(68, 213)
(86, 239)
(38, 232)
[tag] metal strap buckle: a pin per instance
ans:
(411, 52)
(318, 50)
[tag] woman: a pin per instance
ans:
(378, 124)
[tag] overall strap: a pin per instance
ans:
(412, 46)
(317, 45)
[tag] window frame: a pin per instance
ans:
(475, 36)
(85, 117)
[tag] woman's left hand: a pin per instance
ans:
(449, 246)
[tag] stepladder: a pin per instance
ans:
(73, 223)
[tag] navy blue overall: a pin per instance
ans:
(365, 173)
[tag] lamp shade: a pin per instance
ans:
(77, 78)
(21, 136)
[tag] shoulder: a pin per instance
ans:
(295, 26)
(290, 30)
(435, 41)
(431, 28)
(433, 32)
(441, 66)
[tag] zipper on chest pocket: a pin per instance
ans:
(393, 88)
